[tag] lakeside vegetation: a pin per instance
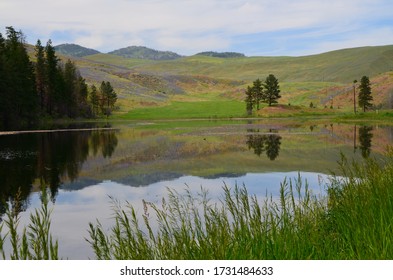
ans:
(353, 221)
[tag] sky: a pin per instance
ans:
(253, 27)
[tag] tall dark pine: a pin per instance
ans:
(71, 94)
(365, 97)
(249, 100)
(39, 68)
(257, 89)
(3, 83)
(18, 97)
(108, 98)
(53, 82)
(272, 90)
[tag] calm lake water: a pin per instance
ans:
(134, 161)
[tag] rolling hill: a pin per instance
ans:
(145, 53)
(74, 50)
(146, 77)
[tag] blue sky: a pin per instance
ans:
(254, 27)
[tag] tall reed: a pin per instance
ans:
(35, 242)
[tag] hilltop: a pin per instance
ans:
(222, 54)
(145, 53)
(74, 50)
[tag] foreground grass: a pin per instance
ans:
(353, 221)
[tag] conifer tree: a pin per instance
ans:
(272, 90)
(18, 94)
(108, 98)
(53, 86)
(365, 97)
(249, 100)
(40, 74)
(257, 89)
(94, 100)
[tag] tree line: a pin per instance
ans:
(267, 92)
(46, 87)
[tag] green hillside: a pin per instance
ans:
(337, 66)
(323, 79)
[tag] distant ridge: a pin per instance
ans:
(74, 50)
(145, 53)
(222, 54)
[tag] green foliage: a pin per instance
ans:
(35, 242)
(258, 93)
(46, 88)
(18, 95)
(365, 96)
(94, 100)
(108, 98)
(272, 90)
(267, 92)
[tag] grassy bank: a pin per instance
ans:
(353, 221)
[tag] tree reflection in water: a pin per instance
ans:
(269, 143)
(46, 159)
(365, 139)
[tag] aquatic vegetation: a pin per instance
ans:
(36, 241)
(354, 220)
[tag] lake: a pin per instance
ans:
(84, 166)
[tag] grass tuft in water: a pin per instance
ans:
(35, 242)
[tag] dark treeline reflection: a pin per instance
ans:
(268, 143)
(46, 160)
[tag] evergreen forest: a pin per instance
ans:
(46, 88)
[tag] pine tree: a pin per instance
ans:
(257, 89)
(53, 84)
(70, 89)
(40, 74)
(18, 96)
(94, 100)
(108, 98)
(272, 90)
(365, 97)
(249, 100)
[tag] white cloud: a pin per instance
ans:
(186, 25)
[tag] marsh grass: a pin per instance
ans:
(354, 221)
(35, 242)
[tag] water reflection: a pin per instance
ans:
(28, 161)
(267, 142)
(83, 167)
(365, 137)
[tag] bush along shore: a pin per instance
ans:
(354, 220)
